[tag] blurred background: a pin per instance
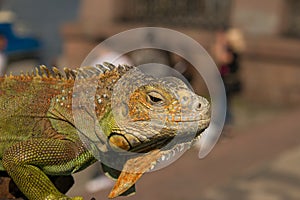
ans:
(255, 44)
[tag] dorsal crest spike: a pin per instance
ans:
(123, 67)
(56, 72)
(83, 73)
(103, 67)
(89, 71)
(74, 73)
(45, 71)
(110, 66)
(92, 70)
(100, 68)
(37, 73)
(68, 73)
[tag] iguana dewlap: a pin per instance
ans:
(39, 137)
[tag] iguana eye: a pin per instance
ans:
(155, 98)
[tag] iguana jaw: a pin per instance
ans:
(154, 135)
(134, 168)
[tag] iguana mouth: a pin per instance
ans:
(145, 163)
(164, 136)
(169, 154)
(182, 143)
(173, 144)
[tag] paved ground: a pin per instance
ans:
(277, 180)
(260, 161)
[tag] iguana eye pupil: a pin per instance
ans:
(155, 99)
(199, 106)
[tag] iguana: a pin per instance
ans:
(39, 136)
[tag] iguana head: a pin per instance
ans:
(149, 113)
(135, 111)
(140, 114)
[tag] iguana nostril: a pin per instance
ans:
(199, 106)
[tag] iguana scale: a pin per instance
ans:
(38, 135)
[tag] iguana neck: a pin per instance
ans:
(108, 123)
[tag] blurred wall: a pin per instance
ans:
(271, 64)
(258, 17)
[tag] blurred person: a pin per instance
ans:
(228, 47)
(3, 58)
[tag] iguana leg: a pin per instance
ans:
(25, 162)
